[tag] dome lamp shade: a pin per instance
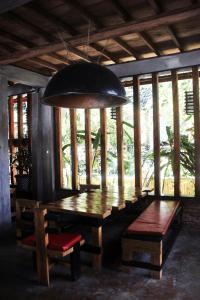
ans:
(85, 85)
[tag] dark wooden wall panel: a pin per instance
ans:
(5, 211)
(43, 157)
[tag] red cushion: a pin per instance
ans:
(59, 242)
(155, 220)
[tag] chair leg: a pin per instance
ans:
(75, 262)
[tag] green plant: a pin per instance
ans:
(22, 161)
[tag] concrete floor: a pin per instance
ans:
(181, 277)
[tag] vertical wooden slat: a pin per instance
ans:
(195, 76)
(137, 136)
(29, 119)
(74, 154)
(20, 118)
(176, 163)
(88, 146)
(156, 133)
(103, 122)
(58, 145)
(11, 117)
(120, 152)
(11, 135)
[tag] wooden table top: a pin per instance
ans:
(97, 204)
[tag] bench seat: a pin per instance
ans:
(156, 219)
(148, 232)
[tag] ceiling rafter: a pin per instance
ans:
(43, 63)
(168, 18)
(33, 28)
(58, 23)
(158, 9)
(98, 25)
(126, 16)
(71, 30)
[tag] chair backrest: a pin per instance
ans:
(22, 206)
(89, 187)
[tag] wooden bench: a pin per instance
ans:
(150, 233)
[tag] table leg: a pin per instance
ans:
(97, 242)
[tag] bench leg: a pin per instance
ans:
(75, 262)
(156, 259)
(126, 252)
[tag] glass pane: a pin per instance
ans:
(146, 108)
(128, 141)
(112, 149)
(166, 138)
(187, 141)
(96, 146)
(66, 147)
(81, 145)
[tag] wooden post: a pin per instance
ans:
(20, 118)
(43, 159)
(176, 162)
(11, 135)
(137, 136)
(29, 119)
(120, 150)
(156, 133)
(103, 122)
(195, 76)
(74, 154)
(88, 146)
(58, 148)
(5, 210)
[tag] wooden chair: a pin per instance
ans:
(49, 246)
(25, 217)
(13, 201)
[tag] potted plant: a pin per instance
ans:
(22, 161)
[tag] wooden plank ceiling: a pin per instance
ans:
(45, 35)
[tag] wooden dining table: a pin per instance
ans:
(93, 208)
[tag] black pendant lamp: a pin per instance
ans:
(85, 85)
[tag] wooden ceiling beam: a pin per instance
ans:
(58, 23)
(60, 58)
(111, 32)
(104, 53)
(8, 5)
(126, 48)
(43, 63)
(12, 37)
(126, 16)
(158, 9)
(79, 53)
(25, 24)
(97, 24)
(121, 10)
